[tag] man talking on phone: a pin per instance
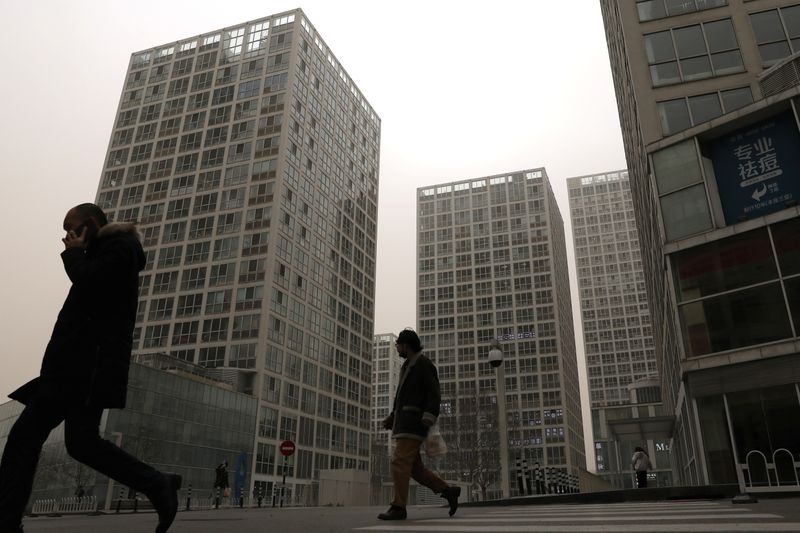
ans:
(85, 370)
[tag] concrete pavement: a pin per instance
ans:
(718, 516)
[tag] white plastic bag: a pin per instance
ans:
(434, 443)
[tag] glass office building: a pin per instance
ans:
(707, 97)
(249, 158)
(178, 418)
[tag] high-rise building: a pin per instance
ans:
(707, 92)
(249, 159)
(620, 360)
(492, 266)
(386, 375)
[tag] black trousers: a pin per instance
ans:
(83, 443)
(641, 479)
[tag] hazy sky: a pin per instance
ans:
(463, 90)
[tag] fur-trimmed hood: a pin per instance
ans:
(119, 227)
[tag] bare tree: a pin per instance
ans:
(473, 442)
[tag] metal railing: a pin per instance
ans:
(72, 505)
(779, 475)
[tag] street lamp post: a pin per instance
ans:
(496, 360)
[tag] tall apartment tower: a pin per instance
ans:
(386, 375)
(707, 96)
(492, 266)
(620, 359)
(249, 159)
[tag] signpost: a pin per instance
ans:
(287, 450)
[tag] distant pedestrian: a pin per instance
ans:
(415, 410)
(641, 464)
(85, 370)
(221, 479)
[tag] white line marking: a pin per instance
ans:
(602, 528)
(612, 518)
(554, 512)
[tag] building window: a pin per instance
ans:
(684, 205)
(777, 33)
(732, 294)
(682, 113)
(657, 9)
(693, 52)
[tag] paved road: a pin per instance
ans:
(685, 517)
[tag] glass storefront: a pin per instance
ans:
(740, 291)
(763, 428)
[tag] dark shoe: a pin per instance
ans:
(451, 494)
(166, 501)
(394, 513)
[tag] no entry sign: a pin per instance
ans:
(287, 448)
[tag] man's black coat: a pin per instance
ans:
(417, 399)
(87, 359)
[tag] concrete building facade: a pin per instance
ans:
(386, 375)
(706, 93)
(617, 332)
(249, 158)
(492, 267)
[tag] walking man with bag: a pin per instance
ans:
(415, 410)
(85, 370)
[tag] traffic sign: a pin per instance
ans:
(287, 448)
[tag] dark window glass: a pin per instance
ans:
(704, 107)
(727, 62)
(736, 98)
(651, 9)
(716, 439)
(674, 116)
(786, 236)
(659, 47)
(696, 68)
(774, 51)
(720, 36)
(724, 265)
(734, 320)
(767, 27)
(677, 7)
(665, 73)
(689, 41)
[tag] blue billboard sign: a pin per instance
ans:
(757, 168)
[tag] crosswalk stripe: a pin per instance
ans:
(612, 518)
(601, 528)
(687, 505)
(600, 507)
(643, 512)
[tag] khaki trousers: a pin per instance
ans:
(407, 463)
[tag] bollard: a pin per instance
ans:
(189, 498)
(526, 473)
(216, 500)
(120, 495)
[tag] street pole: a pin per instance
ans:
(501, 426)
(283, 486)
